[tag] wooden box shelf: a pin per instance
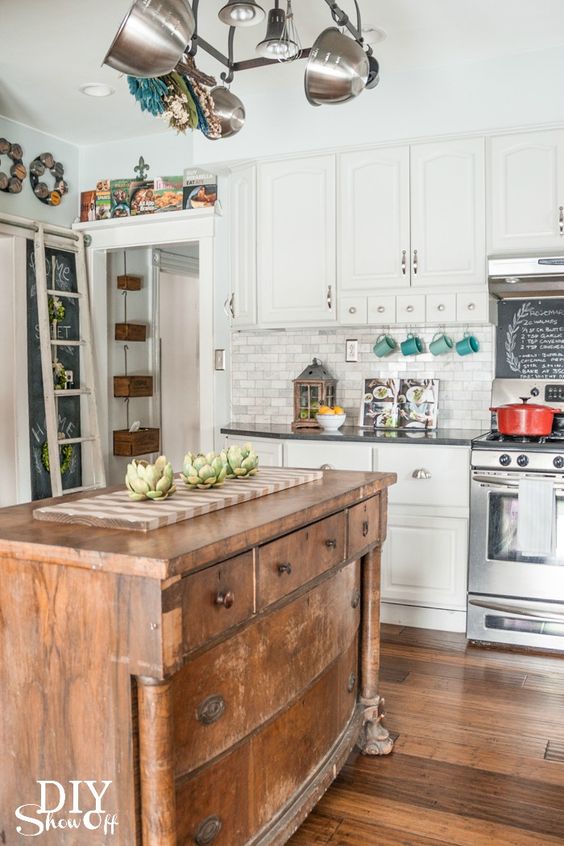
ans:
(129, 283)
(129, 444)
(133, 386)
(131, 332)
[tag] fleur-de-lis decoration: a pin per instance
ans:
(142, 168)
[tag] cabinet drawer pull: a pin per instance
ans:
(440, 307)
(415, 263)
(327, 467)
(226, 598)
(404, 262)
(352, 310)
(471, 306)
(381, 309)
(409, 308)
(207, 831)
(211, 709)
(561, 220)
(365, 528)
(284, 568)
(331, 543)
(351, 682)
(421, 473)
(329, 297)
(355, 601)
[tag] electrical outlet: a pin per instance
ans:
(219, 358)
(351, 349)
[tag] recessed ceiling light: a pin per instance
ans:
(97, 89)
(373, 34)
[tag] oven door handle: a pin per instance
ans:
(528, 612)
(491, 482)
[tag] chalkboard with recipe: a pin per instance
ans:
(530, 339)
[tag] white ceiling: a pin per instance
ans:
(50, 49)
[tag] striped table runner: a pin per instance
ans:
(116, 511)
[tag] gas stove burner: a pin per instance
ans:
(497, 437)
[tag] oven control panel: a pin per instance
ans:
(554, 393)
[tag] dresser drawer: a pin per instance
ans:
(291, 561)
(213, 600)
(364, 525)
(216, 701)
(236, 796)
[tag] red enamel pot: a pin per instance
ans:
(525, 419)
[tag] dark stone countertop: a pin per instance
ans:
(354, 434)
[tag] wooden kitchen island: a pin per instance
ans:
(209, 678)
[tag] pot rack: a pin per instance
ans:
(339, 16)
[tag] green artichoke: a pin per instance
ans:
(241, 462)
(204, 471)
(150, 481)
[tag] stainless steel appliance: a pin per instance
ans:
(515, 598)
(518, 276)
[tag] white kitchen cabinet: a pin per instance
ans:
(296, 241)
(475, 307)
(242, 303)
(353, 310)
(428, 476)
(448, 221)
(440, 308)
(373, 222)
(526, 192)
(269, 451)
(410, 308)
(424, 561)
(328, 454)
(381, 310)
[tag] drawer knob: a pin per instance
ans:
(326, 467)
(355, 601)
(421, 473)
(409, 308)
(351, 682)
(331, 543)
(352, 310)
(440, 307)
(207, 831)
(365, 528)
(471, 306)
(284, 568)
(226, 598)
(381, 309)
(211, 709)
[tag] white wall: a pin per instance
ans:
(167, 153)
(515, 90)
(26, 204)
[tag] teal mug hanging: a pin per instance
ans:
(384, 345)
(412, 345)
(441, 344)
(469, 344)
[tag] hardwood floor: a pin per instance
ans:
(469, 764)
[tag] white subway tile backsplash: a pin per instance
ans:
(264, 363)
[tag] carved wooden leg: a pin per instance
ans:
(374, 738)
(158, 809)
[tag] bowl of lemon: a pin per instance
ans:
(329, 418)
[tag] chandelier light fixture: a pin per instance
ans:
(158, 41)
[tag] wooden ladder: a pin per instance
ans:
(92, 459)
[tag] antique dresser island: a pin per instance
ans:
(198, 684)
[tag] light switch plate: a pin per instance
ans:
(351, 349)
(219, 357)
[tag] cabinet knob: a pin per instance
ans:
(226, 598)
(421, 473)
(355, 601)
(440, 307)
(284, 568)
(365, 528)
(380, 309)
(561, 219)
(351, 682)
(409, 308)
(471, 306)
(331, 543)
(211, 709)
(352, 310)
(326, 467)
(207, 831)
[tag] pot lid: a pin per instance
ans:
(527, 405)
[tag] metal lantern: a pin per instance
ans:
(313, 388)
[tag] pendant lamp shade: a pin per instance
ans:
(276, 44)
(241, 13)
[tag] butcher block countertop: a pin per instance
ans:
(185, 547)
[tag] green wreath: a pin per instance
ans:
(56, 309)
(65, 456)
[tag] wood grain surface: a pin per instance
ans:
(468, 768)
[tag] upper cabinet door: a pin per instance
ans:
(526, 173)
(448, 227)
(373, 221)
(296, 240)
(243, 241)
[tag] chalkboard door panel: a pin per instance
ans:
(527, 192)
(448, 213)
(61, 274)
(530, 339)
